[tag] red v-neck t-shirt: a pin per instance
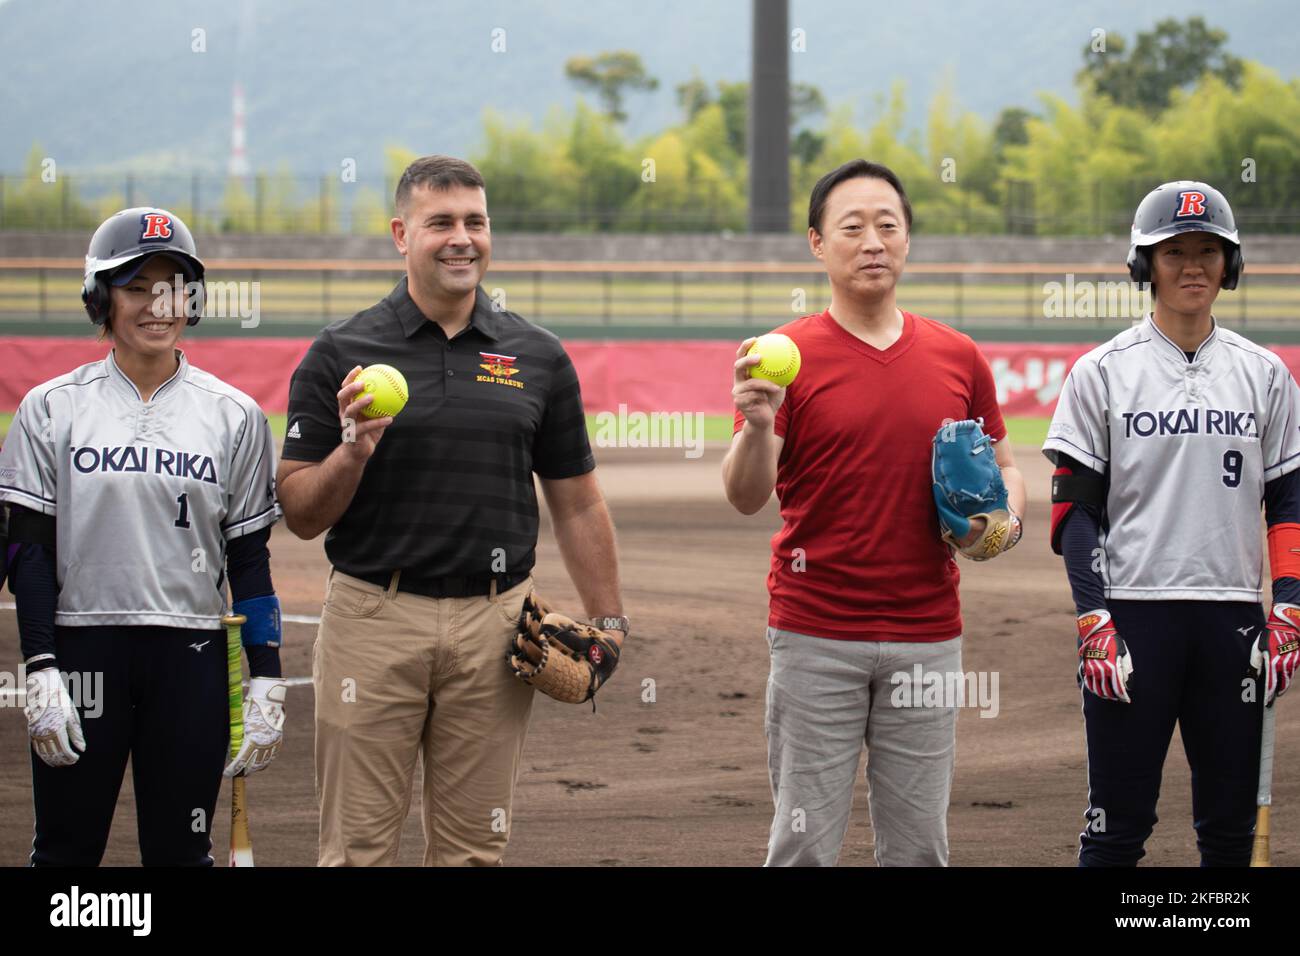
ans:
(858, 556)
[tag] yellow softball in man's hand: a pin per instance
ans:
(779, 358)
(388, 386)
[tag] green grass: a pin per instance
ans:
(1027, 431)
(717, 428)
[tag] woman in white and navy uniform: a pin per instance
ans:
(1167, 439)
(135, 485)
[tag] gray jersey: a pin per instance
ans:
(1187, 447)
(146, 494)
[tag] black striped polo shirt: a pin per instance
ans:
(449, 490)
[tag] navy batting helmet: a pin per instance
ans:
(123, 243)
(1183, 206)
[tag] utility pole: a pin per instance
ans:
(769, 118)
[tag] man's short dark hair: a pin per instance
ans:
(436, 172)
(858, 168)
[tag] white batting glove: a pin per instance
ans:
(263, 725)
(52, 721)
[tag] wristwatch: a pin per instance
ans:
(612, 624)
(1017, 529)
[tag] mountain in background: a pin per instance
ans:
(115, 86)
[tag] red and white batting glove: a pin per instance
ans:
(1104, 663)
(1276, 654)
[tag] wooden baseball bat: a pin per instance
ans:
(1264, 799)
(241, 845)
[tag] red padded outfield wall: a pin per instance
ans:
(652, 375)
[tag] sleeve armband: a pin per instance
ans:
(1080, 489)
(32, 527)
(1283, 545)
(262, 629)
(1069, 489)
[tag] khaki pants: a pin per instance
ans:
(398, 676)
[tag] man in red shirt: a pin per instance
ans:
(862, 587)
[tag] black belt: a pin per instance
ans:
(444, 587)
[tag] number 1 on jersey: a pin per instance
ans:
(183, 519)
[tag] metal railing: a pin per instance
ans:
(1050, 301)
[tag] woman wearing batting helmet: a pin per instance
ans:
(1166, 440)
(136, 485)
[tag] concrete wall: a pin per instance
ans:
(628, 247)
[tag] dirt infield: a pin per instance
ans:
(683, 780)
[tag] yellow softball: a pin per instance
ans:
(779, 358)
(388, 386)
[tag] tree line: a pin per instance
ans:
(1173, 104)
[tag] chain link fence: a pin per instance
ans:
(284, 204)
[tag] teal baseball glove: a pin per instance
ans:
(968, 487)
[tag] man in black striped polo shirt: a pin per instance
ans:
(432, 520)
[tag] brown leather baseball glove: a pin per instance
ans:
(561, 657)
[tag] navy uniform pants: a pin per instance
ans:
(1191, 667)
(158, 696)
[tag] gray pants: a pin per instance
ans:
(825, 699)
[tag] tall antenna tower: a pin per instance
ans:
(238, 137)
(238, 131)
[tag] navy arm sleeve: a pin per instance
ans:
(248, 564)
(1079, 543)
(34, 581)
(1282, 506)
(4, 544)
